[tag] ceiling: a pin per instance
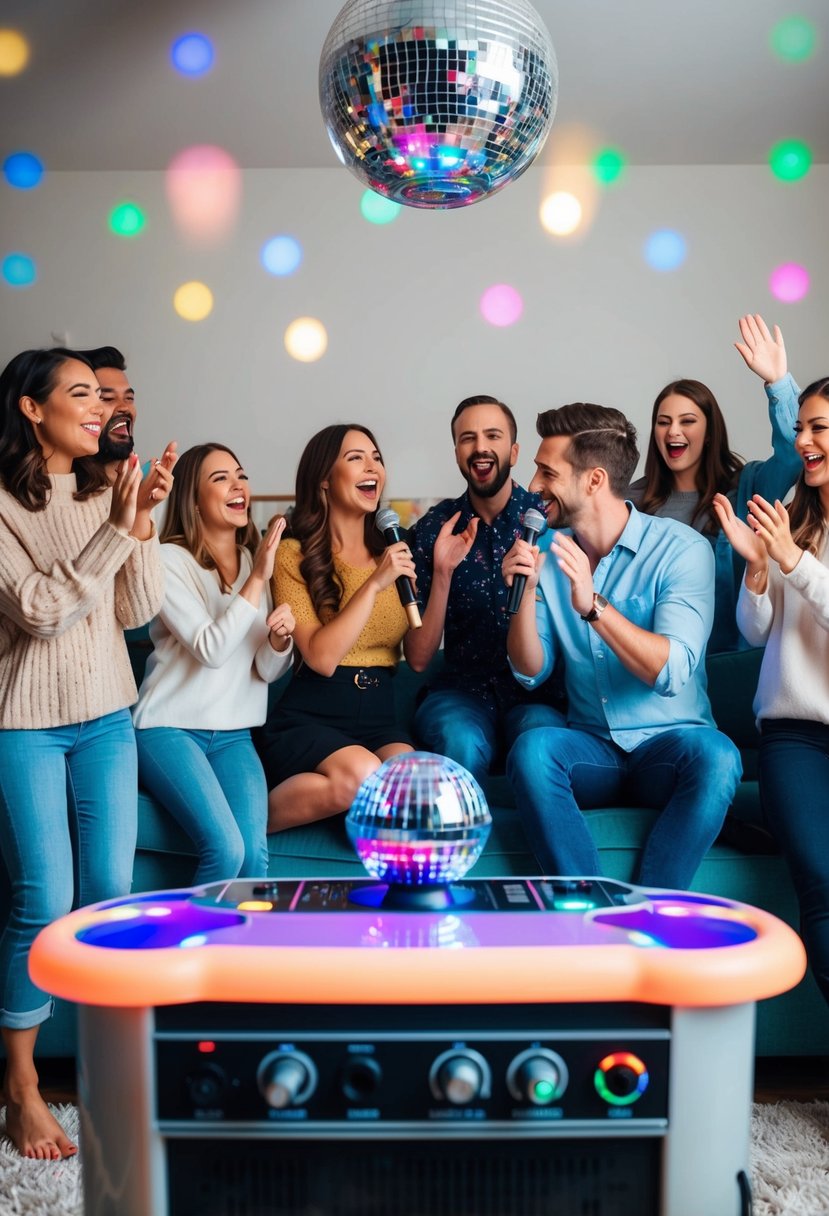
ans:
(666, 82)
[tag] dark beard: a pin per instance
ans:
(110, 449)
(490, 490)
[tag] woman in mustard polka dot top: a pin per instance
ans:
(335, 724)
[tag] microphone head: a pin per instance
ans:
(534, 520)
(386, 518)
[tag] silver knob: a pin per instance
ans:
(460, 1076)
(286, 1079)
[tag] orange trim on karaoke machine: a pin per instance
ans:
(93, 975)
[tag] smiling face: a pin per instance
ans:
(358, 477)
(223, 497)
(67, 425)
(484, 449)
(679, 431)
(557, 482)
(812, 441)
(118, 396)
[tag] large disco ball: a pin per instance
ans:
(419, 820)
(438, 103)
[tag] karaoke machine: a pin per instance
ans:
(532, 1047)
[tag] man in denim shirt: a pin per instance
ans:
(628, 601)
(474, 704)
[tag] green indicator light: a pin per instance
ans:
(574, 905)
(790, 160)
(794, 39)
(544, 1091)
(126, 220)
(608, 166)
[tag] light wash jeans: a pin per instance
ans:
(213, 784)
(463, 727)
(689, 774)
(68, 815)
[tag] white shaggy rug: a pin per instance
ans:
(789, 1166)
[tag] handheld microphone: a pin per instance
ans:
(534, 525)
(388, 522)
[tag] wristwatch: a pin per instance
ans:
(599, 605)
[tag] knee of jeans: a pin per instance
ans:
(34, 908)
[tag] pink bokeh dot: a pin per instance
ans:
(501, 305)
(789, 282)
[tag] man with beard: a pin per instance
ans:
(116, 441)
(627, 601)
(473, 706)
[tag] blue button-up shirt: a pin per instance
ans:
(660, 576)
(477, 621)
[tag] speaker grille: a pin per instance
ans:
(420, 1178)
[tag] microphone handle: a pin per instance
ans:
(405, 587)
(516, 591)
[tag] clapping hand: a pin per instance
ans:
(281, 625)
(125, 494)
(158, 483)
(265, 556)
(743, 539)
(771, 526)
(451, 547)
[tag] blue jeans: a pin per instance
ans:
(212, 783)
(689, 774)
(794, 779)
(68, 814)
(463, 727)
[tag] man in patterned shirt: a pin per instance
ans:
(473, 709)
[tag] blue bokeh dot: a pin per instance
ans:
(281, 255)
(23, 170)
(192, 54)
(665, 249)
(19, 269)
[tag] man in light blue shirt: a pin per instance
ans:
(627, 602)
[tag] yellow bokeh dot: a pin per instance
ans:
(14, 52)
(193, 301)
(561, 213)
(306, 339)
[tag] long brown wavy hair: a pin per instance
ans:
(182, 523)
(719, 469)
(807, 521)
(308, 522)
(33, 373)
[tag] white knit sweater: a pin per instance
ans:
(792, 621)
(70, 583)
(212, 661)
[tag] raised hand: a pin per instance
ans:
(741, 537)
(575, 565)
(265, 555)
(450, 549)
(764, 354)
(158, 483)
(125, 494)
(281, 625)
(771, 526)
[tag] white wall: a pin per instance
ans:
(400, 303)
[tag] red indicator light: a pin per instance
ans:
(206, 1046)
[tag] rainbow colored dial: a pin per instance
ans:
(621, 1078)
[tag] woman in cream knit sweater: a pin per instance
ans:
(79, 562)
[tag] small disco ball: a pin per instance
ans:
(419, 820)
(438, 103)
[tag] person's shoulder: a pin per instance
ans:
(437, 515)
(673, 536)
(289, 555)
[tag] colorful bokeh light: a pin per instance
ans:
(665, 249)
(193, 301)
(14, 52)
(561, 213)
(789, 282)
(204, 189)
(192, 54)
(306, 339)
(377, 209)
(609, 165)
(790, 160)
(127, 220)
(793, 38)
(501, 305)
(23, 170)
(281, 255)
(19, 269)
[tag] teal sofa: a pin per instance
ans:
(742, 865)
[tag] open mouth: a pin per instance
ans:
(482, 468)
(368, 488)
(120, 428)
(675, 450)
(237, 504)
(92, 428)
(813, 461)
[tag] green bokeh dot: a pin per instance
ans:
(608, 165)
(126, 219)
(794, 39)
(790, 160)
(377, 209)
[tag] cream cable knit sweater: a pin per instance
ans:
(70, 584)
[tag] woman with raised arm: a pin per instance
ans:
(218, 643)
(689, 461)
(79, 563)
(336, 722)
(784, 606)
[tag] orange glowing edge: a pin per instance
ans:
(92, 975)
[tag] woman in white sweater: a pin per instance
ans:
(79, 562)
(218, 643)
(784, 606)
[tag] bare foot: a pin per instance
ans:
(33, 1129)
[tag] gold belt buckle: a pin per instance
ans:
(363, 680)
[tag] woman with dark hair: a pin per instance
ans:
(784, 606)
(689, 461)
(218, 642)
(335, 724)
(79, 563)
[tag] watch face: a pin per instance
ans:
(599, 602)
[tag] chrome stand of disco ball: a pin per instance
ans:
(438, 103)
